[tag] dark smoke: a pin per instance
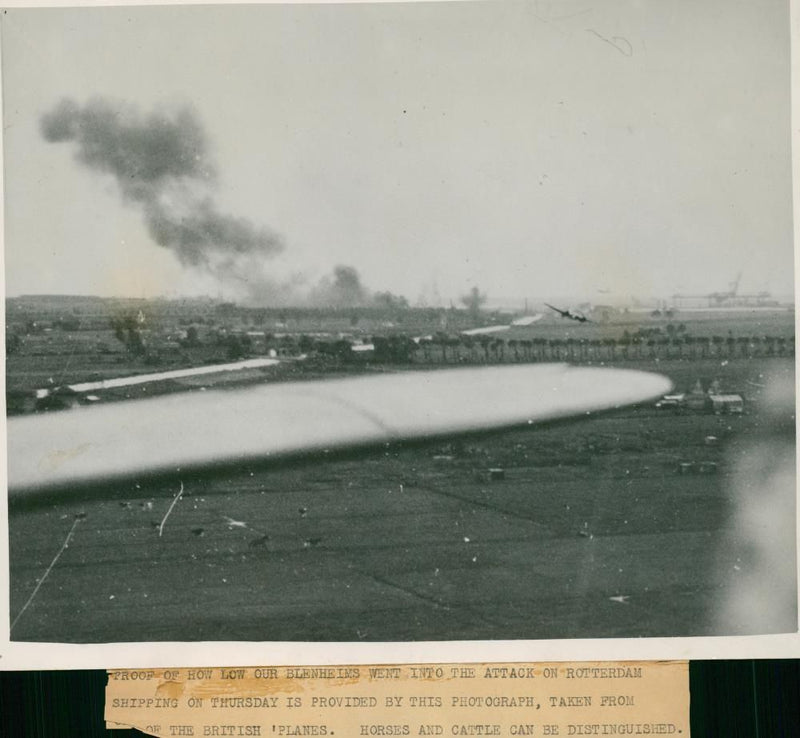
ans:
(161, 165)
(343, 289)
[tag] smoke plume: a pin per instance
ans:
(342, 289)
(161, 165)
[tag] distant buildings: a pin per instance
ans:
(727, 404)
(698, 400)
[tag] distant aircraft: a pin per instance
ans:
(58, 454)
(580, 317)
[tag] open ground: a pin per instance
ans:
(585, 529)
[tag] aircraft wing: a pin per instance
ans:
(174, 433)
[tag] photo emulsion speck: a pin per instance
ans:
(399, 322)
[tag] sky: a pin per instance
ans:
(532, 149)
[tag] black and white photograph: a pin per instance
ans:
(399, 322)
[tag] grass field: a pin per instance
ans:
(592, 532)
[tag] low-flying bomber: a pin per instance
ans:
(580, 317)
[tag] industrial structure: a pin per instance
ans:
(730, 298)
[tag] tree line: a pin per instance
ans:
(449, 349)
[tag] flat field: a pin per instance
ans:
(590, 530)
(54, 357)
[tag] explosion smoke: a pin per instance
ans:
(161, 165)
(344, 289)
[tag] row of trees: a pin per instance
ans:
(481, 349)
(446, 348)
(443, 348)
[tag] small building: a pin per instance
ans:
(727, 404)
(363, 351)
(603, 313)
(671, 401)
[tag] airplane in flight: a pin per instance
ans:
(579, 317)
